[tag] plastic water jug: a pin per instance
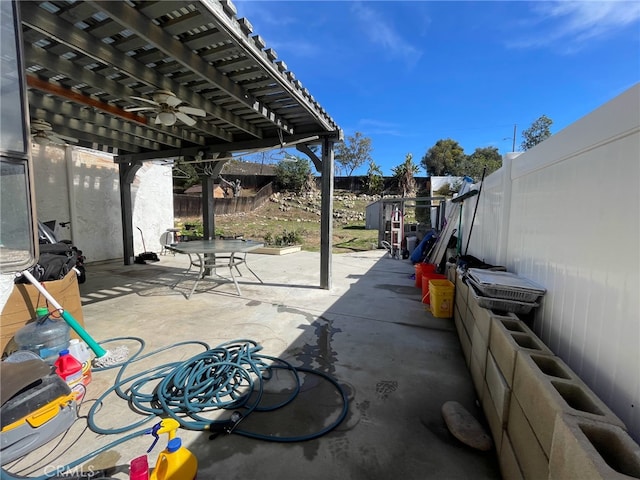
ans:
(45, 337)
(70, 370)
(80, 352)
(175, 463)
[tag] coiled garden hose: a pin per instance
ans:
(230, 376)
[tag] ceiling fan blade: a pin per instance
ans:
(173, 101)
(186, 119)
(146, 100)
(157, 120)
(192, 111)
(140, 109)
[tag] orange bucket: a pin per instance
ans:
(421, 269)
(426, 276)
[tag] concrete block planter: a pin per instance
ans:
(583, 448)
(498, 390)
(545, 386)
(507, 337)
(465, 341)
(533, 462)
(273, 250)
(481, 317)
(509, 466)
(491, 414)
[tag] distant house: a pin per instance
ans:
(196, 190)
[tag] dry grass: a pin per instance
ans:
(272, 218)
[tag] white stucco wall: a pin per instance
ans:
(565, 214)
(82, 186)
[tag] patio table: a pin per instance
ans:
(209, 255)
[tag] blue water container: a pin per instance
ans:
(44, 336)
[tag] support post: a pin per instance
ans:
(208, 208)
(326, 215)
(211, 172)
(127, 172)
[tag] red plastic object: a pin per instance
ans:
(68, 368)
(426, 297)
(421, 269)
(139, 468)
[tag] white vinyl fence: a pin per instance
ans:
(566, 214)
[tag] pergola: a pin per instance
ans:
(211, 87)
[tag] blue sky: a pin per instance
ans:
(407, 74)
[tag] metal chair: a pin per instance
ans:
(170, 238)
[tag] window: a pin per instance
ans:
(17, 238)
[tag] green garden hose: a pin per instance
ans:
(230, 376)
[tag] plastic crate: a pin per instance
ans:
(504, 292)
(506, 285)
(502, 304)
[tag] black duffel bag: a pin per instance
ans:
(55, 261)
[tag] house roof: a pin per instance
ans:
(88, 63)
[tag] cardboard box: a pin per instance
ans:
(21, 306)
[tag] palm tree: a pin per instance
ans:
(404, 174)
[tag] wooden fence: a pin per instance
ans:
(191, 205)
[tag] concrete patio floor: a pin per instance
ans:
(396, 362)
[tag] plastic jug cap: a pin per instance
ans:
(174, 445)
(42, 311)
(73, 341)
(64, 352)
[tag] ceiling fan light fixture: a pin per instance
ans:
(167, 118)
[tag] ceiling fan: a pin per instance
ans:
(168, 108)
(42, 134)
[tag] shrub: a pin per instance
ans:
(284, 240)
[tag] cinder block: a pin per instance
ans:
(479, 360)
(462, 291)
(509, 466)
(479, 348)
(508, 336)
(465, 341)
(491, 414)
(481, 317)
(477, 376)
(498, 389)
(546, 386)
(528, 452)
(468, 322)
(587, 449)
(459, 312)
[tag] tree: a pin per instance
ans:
(353, 152)
(488, 157)
(375, 180)
(292, 174)
(536, 133)
(404, 174)
(446, 157)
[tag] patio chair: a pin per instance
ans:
(170, 238)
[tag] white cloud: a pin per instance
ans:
(379, 31)
(569, 25)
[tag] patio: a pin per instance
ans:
(396, 362)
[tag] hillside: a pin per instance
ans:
(301, 214)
